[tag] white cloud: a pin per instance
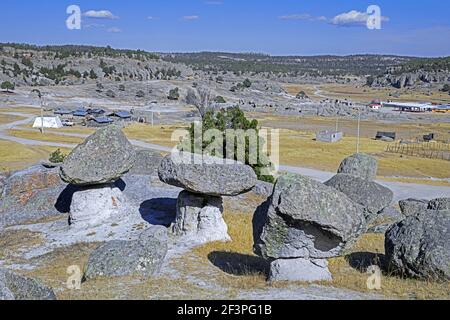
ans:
(303, 16)
(114, 30)
(100, 14)
(191, 18)
(152, 18)
(353, 18)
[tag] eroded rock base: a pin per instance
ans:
(305, 270)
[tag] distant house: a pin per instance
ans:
(80, 113)
(123, 115)
(62, 112)
(103, 120)
(411, 106)
(386, 135)
(96, 111)
(48, 123)
(375, 105)
(329, 136)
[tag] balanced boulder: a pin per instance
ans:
(371, 195)
(419, 246)
(142, 257)
(306, 219)
(102, 158)
(360, 165)
(303, 223)
(206, 175)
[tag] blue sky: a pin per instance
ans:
(281, 27)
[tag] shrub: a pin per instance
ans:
(57, 157)
(7, 86)
(174, 94)
(220, 99)
(140, 94)
(232, 118)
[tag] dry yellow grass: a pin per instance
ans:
(4, 118)
(46, 136)
(161, 134)
(13, 241)
(350, 272)
(20, 109)
(15, 156)
(294, 89)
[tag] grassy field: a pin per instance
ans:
(46, 136)
(161, 134)
(20, 109)
(15, 156)
(4, 118)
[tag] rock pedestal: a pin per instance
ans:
(305, 270)
(200, 217)
(94, 166)
(205, 180)
(92, 207)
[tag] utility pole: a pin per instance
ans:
(359, 130)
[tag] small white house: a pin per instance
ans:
(329, 136)
(48, 123)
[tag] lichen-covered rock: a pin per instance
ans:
(411, 207)
(206, 175)
(360, 165)
(29, 195)
(16, 287)
(439, 204)
(142, 257)
(102, 158)
(200, 218)
(147, 163)
(306, 219)
(419, 246)
(371, 195)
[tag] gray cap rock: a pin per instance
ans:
(206, 175)
(360, 165)
(16, 287)
(419, 246)
(123, 258)
(306, 219)
(102, 158)
(371, 195)
(412, 207)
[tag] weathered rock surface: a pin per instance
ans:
(147, 163)
(263, 188)
(412, 207)
(299, 270)
(382, 221)
(371, 195)
(16, 287)
(29, 195)
(306, 219)
(360, 165)
(102, 158)
(95, 206)
(439, 204)
(201, 175)
(419, 246)
(122, 258)
(200, 218)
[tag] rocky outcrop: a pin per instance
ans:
(207, 175)
(360, 165)
(305, 219)
(439, 204)
(419, 246)
(147, 163)
(102, 158)
(412, 207)
(30, 194)
(143, 257)
(16, 287)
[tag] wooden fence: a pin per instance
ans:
(430, 150)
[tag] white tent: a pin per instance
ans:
(48, 122)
